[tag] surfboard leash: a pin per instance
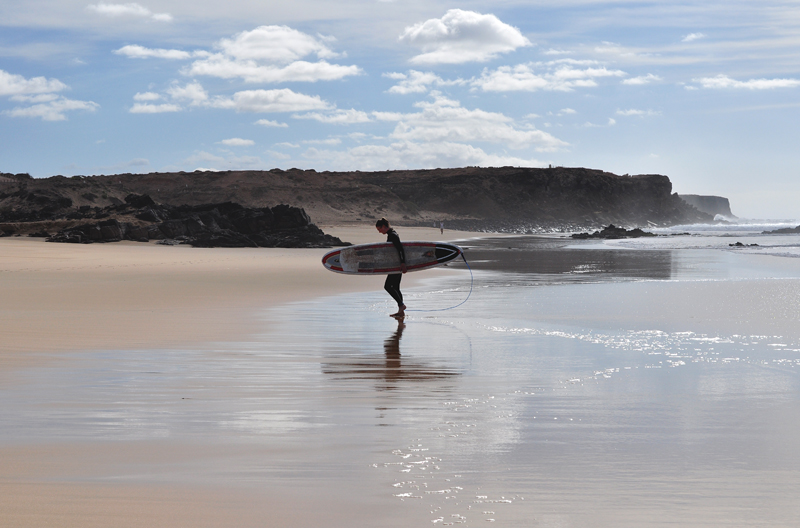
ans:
(471, 282)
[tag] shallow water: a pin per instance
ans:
(581, 385)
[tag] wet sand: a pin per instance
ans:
(586, 391)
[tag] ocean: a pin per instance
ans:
(636, 382)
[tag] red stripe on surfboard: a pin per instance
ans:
(398, 270)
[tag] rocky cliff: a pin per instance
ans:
(713, 205)
(507, 198)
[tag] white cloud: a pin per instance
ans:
(642, 79)
(229, 161)
(638, 113)
(562, 75)
(133, 10)
(192, 92)
(146, 108)
(268, 123)
(238, 142)
(272, 54)
(147, 96)
(38, 98)
(445, 120)
(723, 81)
(567, 111)
(612, 121)
(329, 141)
(692, 36)
(553, 51)
(611, 48)
(462, 36)
(274, 44)
(388, 116)
(337, 117)
(52, 109)
(282, 100)
(413, 155)
(224, 67)
(418, 82)
(13, 84)
(279, 155)
(39, 94)
(134, 51)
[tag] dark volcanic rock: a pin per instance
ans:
(784, 231)
(208, 225)
(613, 232)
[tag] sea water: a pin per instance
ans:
(645, 382)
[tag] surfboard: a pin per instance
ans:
(382, 259)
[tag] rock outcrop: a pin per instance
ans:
(226, 224)
(783, 231)
(612, 232)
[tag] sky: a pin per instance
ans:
(705, 92)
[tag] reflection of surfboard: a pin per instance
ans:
(382, 259)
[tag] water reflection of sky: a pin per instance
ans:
(539, 260)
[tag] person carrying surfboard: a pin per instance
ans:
(392, 284)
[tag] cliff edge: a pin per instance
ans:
(713, 205)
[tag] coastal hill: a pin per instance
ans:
(504, 199)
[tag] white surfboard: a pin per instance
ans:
(382, 259)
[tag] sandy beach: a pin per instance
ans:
(145, 385)
(130, 295)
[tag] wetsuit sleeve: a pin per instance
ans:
(395, 240)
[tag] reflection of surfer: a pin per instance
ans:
(392, 284)
(392, 349)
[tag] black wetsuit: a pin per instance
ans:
(392, 284)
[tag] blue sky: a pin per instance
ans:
(707, 92)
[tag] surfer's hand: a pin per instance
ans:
(403, 268)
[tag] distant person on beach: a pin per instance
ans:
(392, 284)
(441, 227)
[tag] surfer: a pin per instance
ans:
(392, 284)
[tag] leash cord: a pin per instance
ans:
(471, 282)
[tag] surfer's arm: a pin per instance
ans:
(395, 240)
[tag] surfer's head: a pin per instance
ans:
(382, 225)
